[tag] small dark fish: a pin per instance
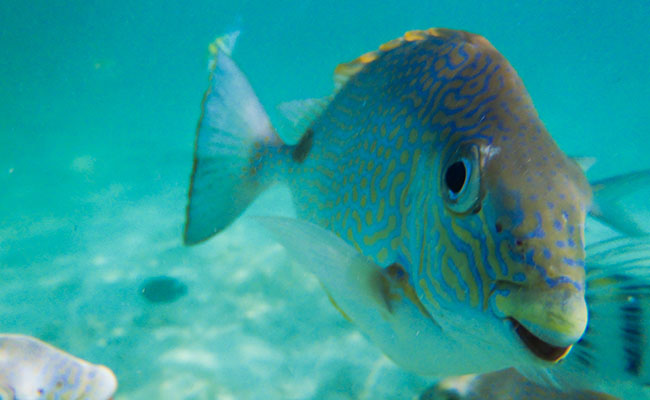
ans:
(163, 289)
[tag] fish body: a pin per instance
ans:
(433, 205)
(32, 369)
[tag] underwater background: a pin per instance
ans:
(98, 107)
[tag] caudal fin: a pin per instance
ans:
(231, 135)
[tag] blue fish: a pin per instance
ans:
(433, 205)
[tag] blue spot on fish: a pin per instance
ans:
(519, 277)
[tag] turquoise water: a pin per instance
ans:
(97, 116)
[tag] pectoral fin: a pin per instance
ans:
(346, 274)
(380, 301)
(622, 202)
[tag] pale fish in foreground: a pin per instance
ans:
(33, 370)
(501, 385)
(434, 207)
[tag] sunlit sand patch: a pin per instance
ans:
(99, 260)
(190, 356)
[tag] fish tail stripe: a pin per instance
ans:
(633, 336)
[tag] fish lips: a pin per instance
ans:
(541, 349)
(546, 323)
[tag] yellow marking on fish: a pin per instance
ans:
(404, 157)
(411, 36)
(382, 131)
(428, 264)
(368, 217)
(380, 211)
(492, 260)
(370, 240)
(329, 296)
(364, 182)
(413, 136)
(357, 218)
(403, 111)
(408, 121)
(382, 256)
(345, 218)
(373, 190)
(350, 234)
(427, 293)
(451, 279)
(322, 188)
(399, 178)
(466, 273)
(399, 142)
(391, 44)
(504, 249)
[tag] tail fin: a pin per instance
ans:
(232, 132)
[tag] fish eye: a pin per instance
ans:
(460, 181)
(456, 177)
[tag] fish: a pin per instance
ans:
(436, 210)
(31, 369)
(162, 289)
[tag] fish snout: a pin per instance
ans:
(548, 321)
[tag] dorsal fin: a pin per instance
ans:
(224, 44)
(345, 71)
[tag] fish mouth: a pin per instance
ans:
(537, 346)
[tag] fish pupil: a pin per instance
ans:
(455, 177)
